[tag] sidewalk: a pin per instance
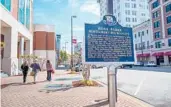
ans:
(58, 93)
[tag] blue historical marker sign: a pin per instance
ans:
(108, 41)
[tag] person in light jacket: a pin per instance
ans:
(35, 68)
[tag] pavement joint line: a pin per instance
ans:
(140, 84)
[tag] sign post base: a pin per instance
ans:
(112, 86)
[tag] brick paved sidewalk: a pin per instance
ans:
(48, 94)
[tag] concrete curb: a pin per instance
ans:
(128, 96)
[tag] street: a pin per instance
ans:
(149, 84)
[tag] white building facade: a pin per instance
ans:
(103, 7)
(16, 33)
(142, 41)
(127, 12)
(160, 13)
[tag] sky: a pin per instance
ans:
(59, 12)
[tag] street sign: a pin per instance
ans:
(74, 41)
(108, 42)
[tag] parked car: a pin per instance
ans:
(96, 66)
(77, 67)
(150, 64)
(139, 64)
(126, 65)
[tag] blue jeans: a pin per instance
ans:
(49, 75)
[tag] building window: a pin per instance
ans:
(6, 3)
(28, 14)
(142, 33)
(136, 48)
(142, 14)
(156, 24)
(127, 5)
(21, 11)
(24, 12)
(169, 31)
(127, 12)
(135, 36)
(147, 31)
(133, 5)
(139, 34)
(156, 14)
(134, 13)
(143, 45)
(168, 19)
(155, 4)
(158, 44)
(168, 8)
(148, 44)
(127, 19)
(157, 35)
(169, 42)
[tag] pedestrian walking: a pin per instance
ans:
(24, 68)
(35, 68)
(49, 70)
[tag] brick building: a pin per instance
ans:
(160, 13)
(44, 42)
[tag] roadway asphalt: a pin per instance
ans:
(152, 85)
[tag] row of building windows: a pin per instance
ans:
(158, 35)
(129, 19)
(142, 45)
(141, 34)
(6, 3)
(158, 44)
(127, 5)
(23, 10)
(157, 13)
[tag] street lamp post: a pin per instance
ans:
(72, 40)
(142, 50)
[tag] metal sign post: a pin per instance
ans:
(112, 86)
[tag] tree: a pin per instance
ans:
(31, 58)
(63, 56)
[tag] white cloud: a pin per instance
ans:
(54, 1)
(78, 28)
(73, 3)
(91, 7)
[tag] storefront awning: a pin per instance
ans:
(167, 53)
(143, 55)
(158, 54)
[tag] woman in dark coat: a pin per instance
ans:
(25, 69)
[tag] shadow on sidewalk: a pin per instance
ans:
(102, 103)
(19, 84)
(56, 90)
